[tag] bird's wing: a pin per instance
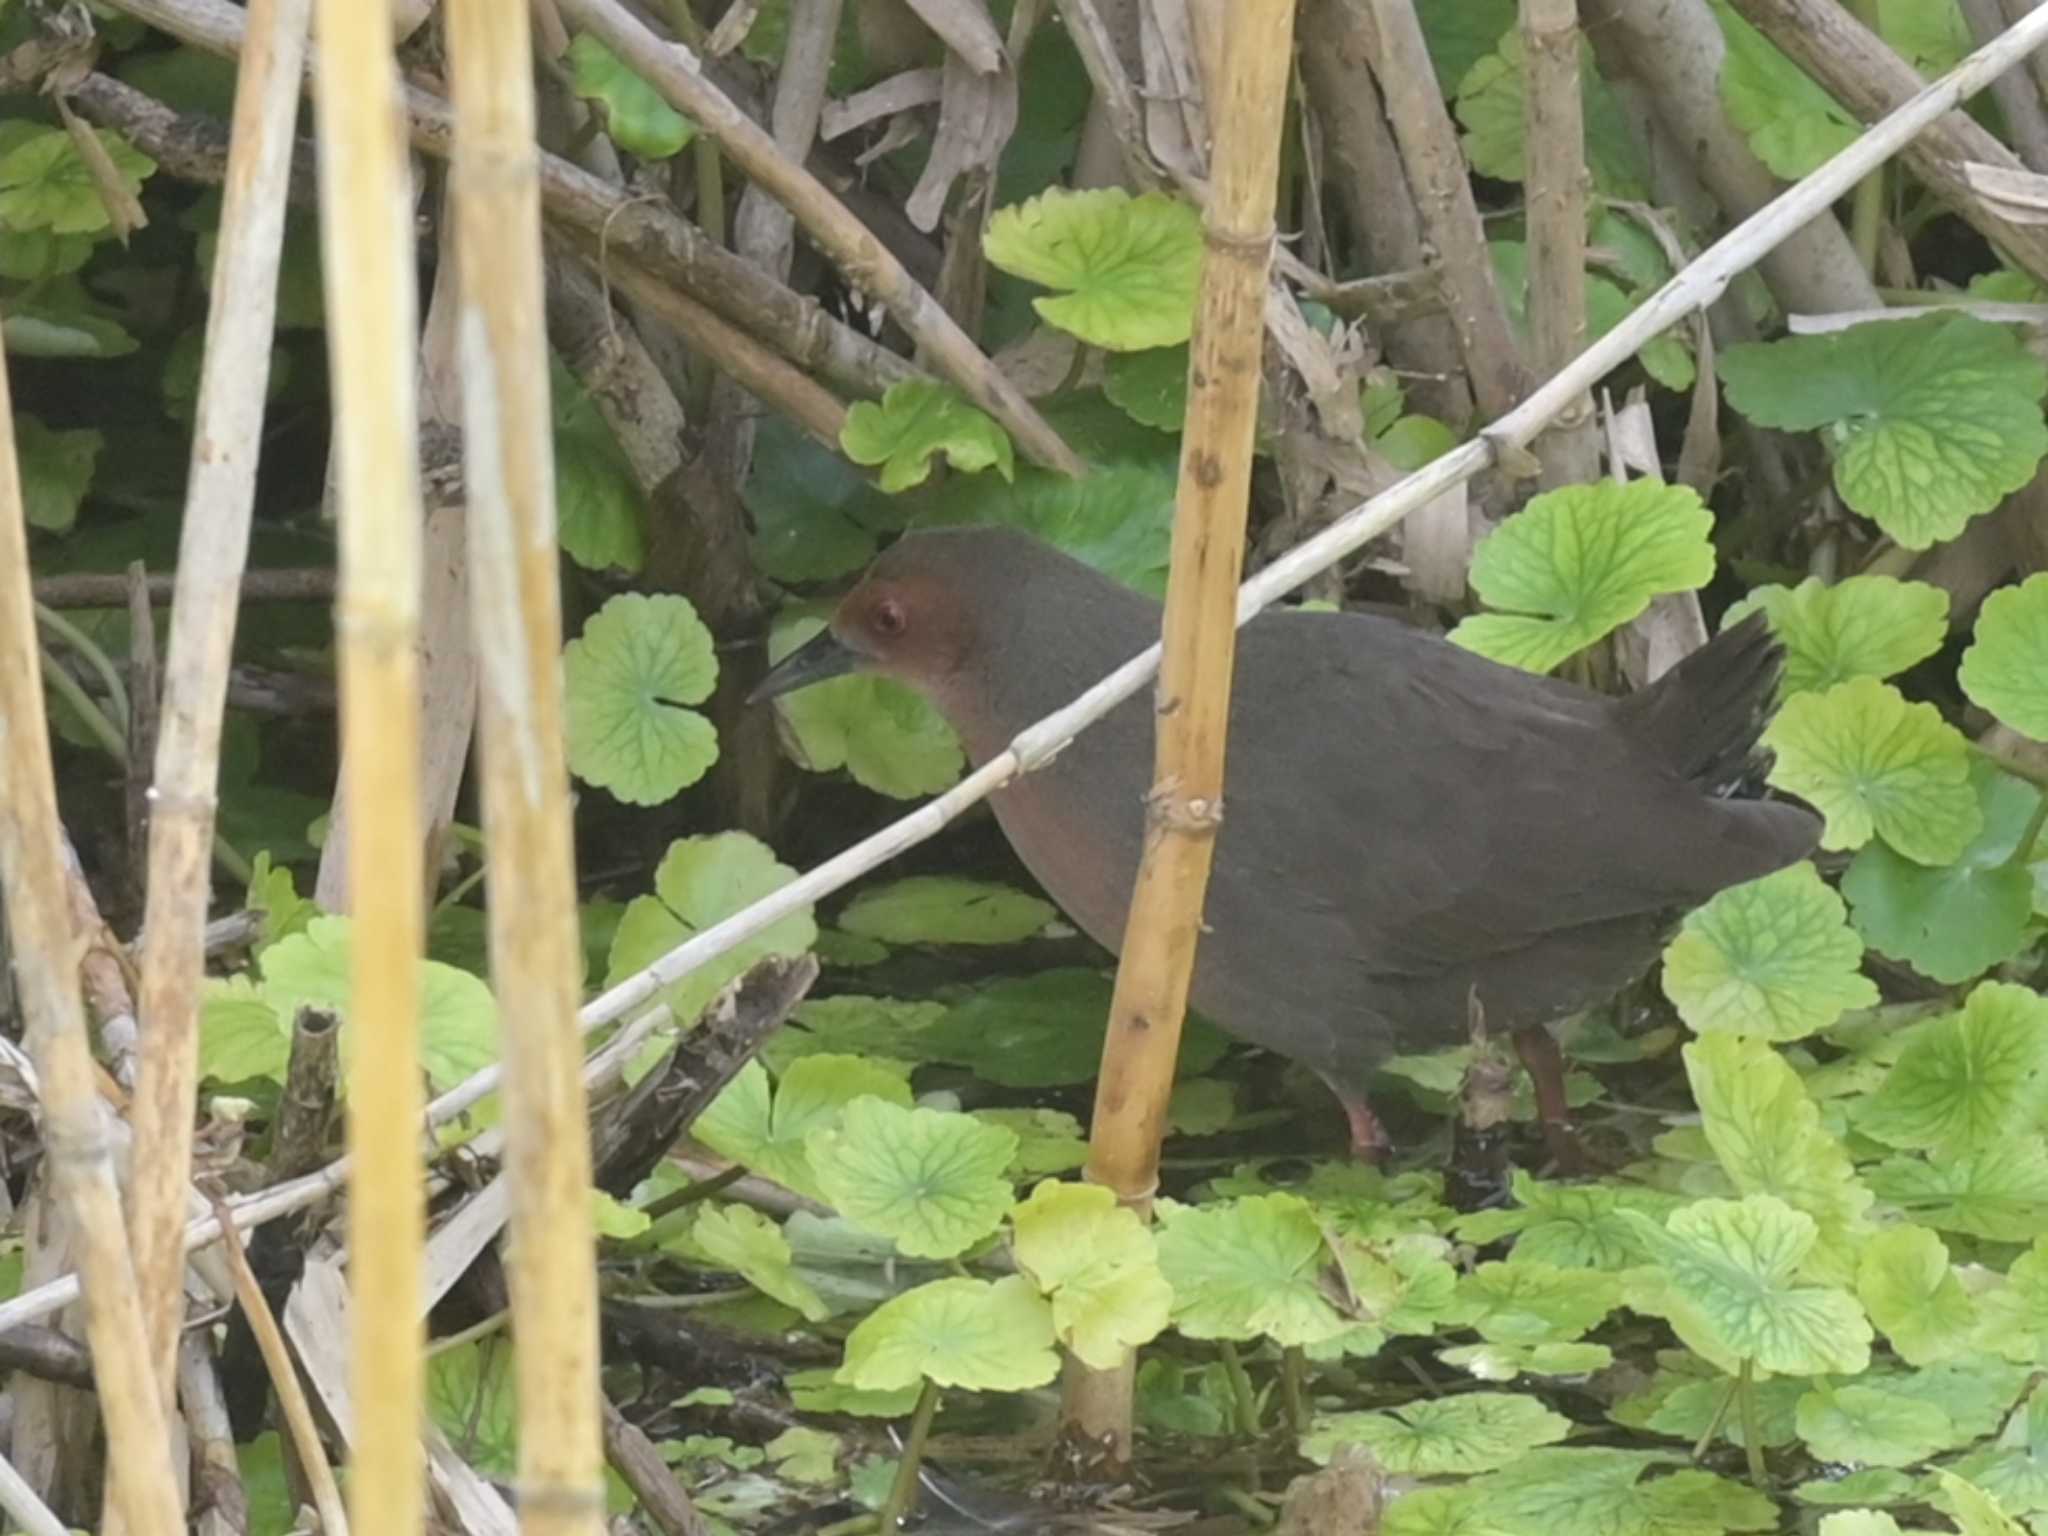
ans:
(1453, 808)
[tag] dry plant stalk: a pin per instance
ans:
(372, 328)
(673, 72)
(1554, 136)
(47, 951)
(1200, 641)
(213, 549)
(536, 959)
(1428, 140)
(1862, 72)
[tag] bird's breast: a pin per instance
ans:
(1082, 848)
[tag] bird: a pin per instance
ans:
(1412, 835)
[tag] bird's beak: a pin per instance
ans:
(817, 660)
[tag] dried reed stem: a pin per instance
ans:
(372, 330)
(212, 552)
(1200, 639)
(536, 959)
(46, 953)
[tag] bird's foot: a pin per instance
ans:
(1567, 1151)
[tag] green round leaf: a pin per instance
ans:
(1933, 420)
(1583, 560)
(1460, 33)
(1733, 1291)
(1868, 1424)
(817, 1392)
(1954, 921)
(1467, 1433)
(814, 515)
(1201, 1106)
(1569, 1226)
(1529, 1303)
(56, 468)
(1792, 124)
(887, 1031)
(1909, 1287)
(1046, 1030)
(1246, 1268)
(769, 1133)
(56, 325)
(1491, 106)
(2011, 1470)
(1099, 1265)
(753, 1247)
(1118, 519)
(241, 1037)
(1964, 1082)
(2006, 667)
(1871, 763)
(1766, 1133)
(987, 1336)
(638, 119)
(1613, 1492)
(45, 183)
(1863, 626)
(699, 882)
(916, 420)
(599, 511)
(1977, 1512)
(1414, 441)
(1129, 265)
(933, 1181)
(458, 1015)
(2000, 1195)
(886, 736)
(944, 909)
(640, 658)
(1150, 386)
(1774, 957)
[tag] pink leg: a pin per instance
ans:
(1545, 1064)
(1369, 1143)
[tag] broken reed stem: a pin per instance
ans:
(213, 549)
(536, 955)
(1186, 803)
(47, 949)
(372, 328)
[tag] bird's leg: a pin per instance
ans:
(1369, 1143)
(1545, 1064)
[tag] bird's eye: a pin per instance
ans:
(889, 619)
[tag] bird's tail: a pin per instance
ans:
(1703, 717)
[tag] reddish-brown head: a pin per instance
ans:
(916, 616)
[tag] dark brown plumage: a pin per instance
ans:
(1406, 824)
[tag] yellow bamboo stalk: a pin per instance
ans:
(536, 964)
(213, 549)
(1200, 642)
(372, 335)
(47, 951)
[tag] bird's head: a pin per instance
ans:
(917, 616)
